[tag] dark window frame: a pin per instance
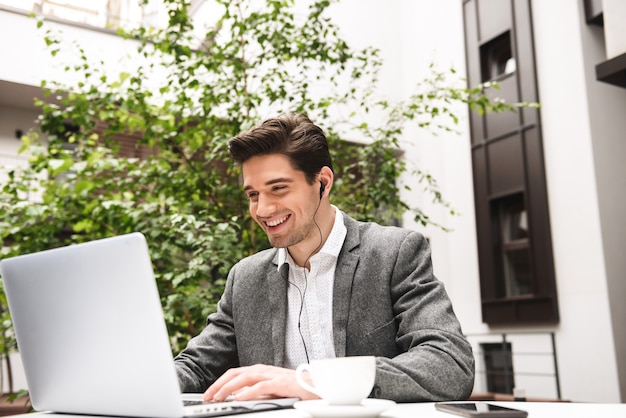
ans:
(507, 160)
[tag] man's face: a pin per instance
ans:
(280, 200)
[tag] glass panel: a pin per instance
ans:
(499, 367)
(517, 273)
(515, 222)
(496, 58)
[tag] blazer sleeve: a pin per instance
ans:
(435, 360)
(213, 351)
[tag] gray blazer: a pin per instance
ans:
(386, 303)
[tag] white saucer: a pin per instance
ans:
(369, 408)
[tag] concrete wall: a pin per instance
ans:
(576, 174)
(607, 105)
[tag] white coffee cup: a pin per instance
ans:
(340, 381)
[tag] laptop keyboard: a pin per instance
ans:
(196, 407)
(188, 402)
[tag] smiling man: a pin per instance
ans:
(330, 287)
(287, 204)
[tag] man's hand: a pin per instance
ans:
(251, 382)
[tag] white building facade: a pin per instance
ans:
(577, 354)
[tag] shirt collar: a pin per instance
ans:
(333, 243)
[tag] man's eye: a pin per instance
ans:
(252, 196)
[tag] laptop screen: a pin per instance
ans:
(90, 329)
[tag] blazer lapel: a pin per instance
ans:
(277, 286)
(342, 288)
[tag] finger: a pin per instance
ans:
(256, 391)
(209, 394)
(235, 382)
(276, 383)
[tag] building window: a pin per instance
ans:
(498, 367)
(103, 14)
(513, 255)
(497, 58)
(593, 12)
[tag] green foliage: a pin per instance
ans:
(184, 101)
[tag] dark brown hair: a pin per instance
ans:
(292, 135)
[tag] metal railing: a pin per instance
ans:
(532, 354)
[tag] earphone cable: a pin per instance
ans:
(306, 281)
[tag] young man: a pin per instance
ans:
(331, 287)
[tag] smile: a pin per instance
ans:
(276, 222)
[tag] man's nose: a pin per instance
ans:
(265, 206)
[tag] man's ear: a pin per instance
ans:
(326, 178)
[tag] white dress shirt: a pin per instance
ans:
(309, 328)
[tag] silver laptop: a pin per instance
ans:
(91, 334)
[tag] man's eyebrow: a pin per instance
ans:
(270, 182)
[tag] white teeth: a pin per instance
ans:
(276, 222)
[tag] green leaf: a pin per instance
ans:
(58, 166)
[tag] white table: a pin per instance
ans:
(427, 410)
(535, 410)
